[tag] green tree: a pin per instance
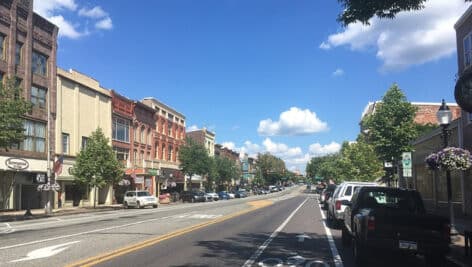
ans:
(96, 164)
(363, 11)
(359, 162)
(12, 109)
(391, 128)
(227, 170)
(194, 159)
(270, 168)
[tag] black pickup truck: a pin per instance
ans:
(393, 220)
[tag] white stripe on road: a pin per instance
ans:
(261, 249)
(338, 262)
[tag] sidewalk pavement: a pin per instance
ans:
(457, 254)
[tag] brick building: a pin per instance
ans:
(28, 47)
(426, 113)
(168, 137)
(205, 138)
(121, 130)
(225, 152)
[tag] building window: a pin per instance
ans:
(35, 133)
(156, 148)
(120, 130)
(135, 135)
(135, 157)
(84, 142)
(65, 143)
(39, 64)
(468, 50)
(163, 155)
(141, 159)
(143, 138)
(122, 154)
(38, 96)
(149, 137)
(18, 54)
(169, 155)
(169, 128)
(2, 46)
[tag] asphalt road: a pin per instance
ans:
(280, 229)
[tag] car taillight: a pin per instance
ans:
(371, 223)
(338, 205)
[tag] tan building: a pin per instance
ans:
(205, 138)
(82, 107)
(28, 46)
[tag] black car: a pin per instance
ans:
(192, 196)
(240, 194)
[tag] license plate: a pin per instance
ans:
(407, 245)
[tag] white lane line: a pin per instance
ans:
(81, 233)
(261, 249)
(338, 262)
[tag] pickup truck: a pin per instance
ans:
(393, 220)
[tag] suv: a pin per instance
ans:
(193, 196)
(341, 196)
(139, 199)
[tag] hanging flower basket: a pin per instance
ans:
(449, 158)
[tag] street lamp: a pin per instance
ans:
(444, 116)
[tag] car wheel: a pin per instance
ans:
(125, 205)
(138, 205)
(154, 206)
(358, 252)
(346, 237)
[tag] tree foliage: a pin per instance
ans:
(194, 159)
(12, 109)
(363, 11)
(226, 171)
(391, 128)
(96, 164)
(270, 169)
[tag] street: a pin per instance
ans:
(279, 229)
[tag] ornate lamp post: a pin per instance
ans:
(444, 116)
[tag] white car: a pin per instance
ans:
(231, 195)
(212, 196)
(342, 195)
(139, 199)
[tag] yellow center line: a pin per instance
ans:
(128, 249)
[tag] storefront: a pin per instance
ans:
(19, 180)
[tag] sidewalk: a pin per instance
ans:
(457, 255)
(9, 216)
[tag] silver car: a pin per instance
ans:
(139, 199)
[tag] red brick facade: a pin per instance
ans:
(426, 113)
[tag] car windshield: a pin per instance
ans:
(143, 194)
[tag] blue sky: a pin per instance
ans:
(270, 75)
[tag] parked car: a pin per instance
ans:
(192, 196)
(240, 194)
(393, 220)
(326, 194)
(342, 195)
(139, 199)
(212, 196)
(231, 195)
(223, 195)
(273, 188)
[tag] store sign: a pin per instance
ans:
(16, 164)
(40, 178)
(153, 172)
(139, 180)
(406, 162)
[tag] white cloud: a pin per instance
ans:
(325, 46)
(63, 14)
(66, 28)
(412, 38)
(47, 8)
(338, 72)
(104, 24)
(317, 150)
(192, 128)
(294, 121)
(96, 12)
(281, 150)
(229, 145)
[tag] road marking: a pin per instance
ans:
(8, 230)
(82, 233)
(338, 262)
(46, 252)
(122, 251)
(261, 249)
(301, 238)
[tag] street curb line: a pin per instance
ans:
(126, 250)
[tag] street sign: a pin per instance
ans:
(406, 162)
